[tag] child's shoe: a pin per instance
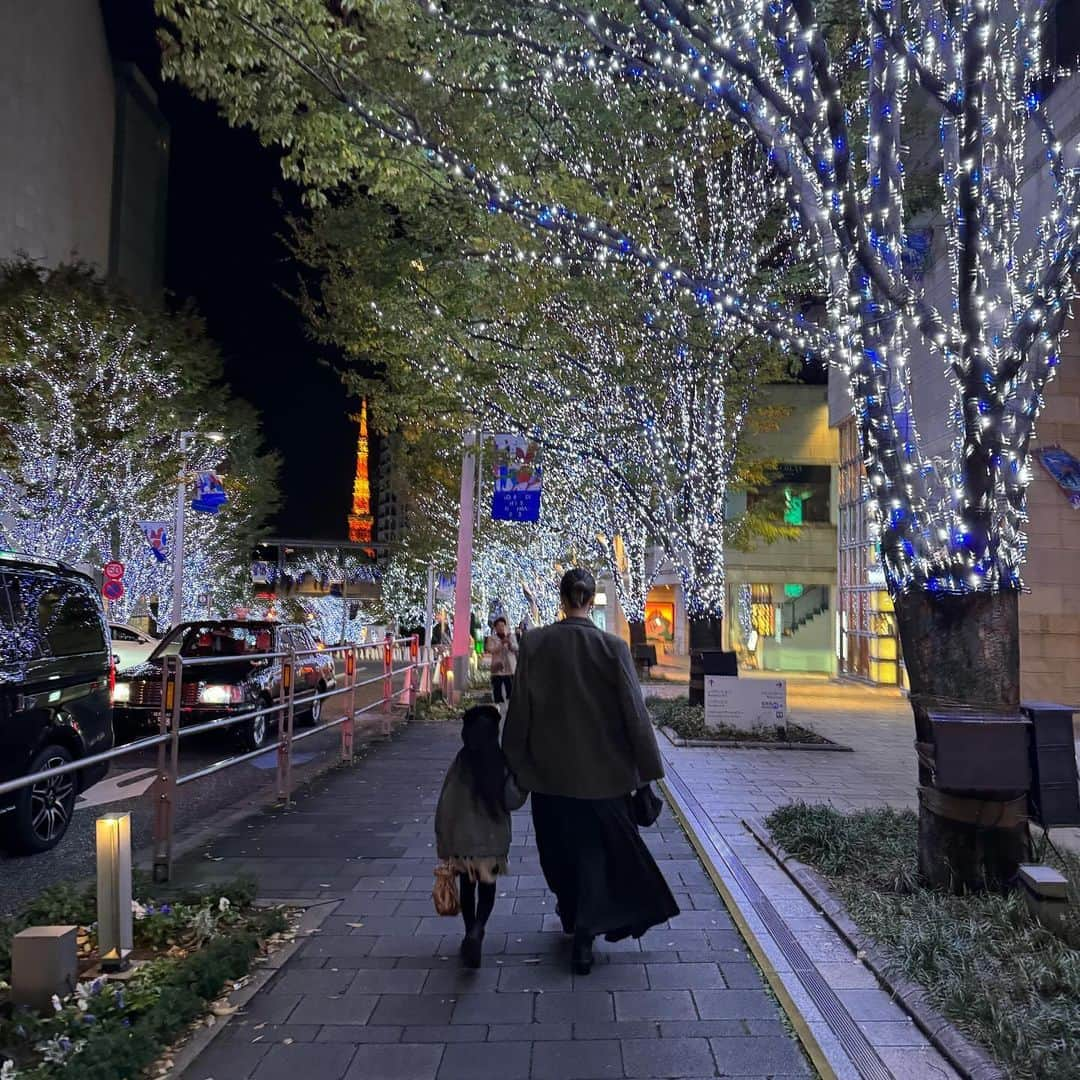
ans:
(472, 947)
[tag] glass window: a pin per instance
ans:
(69, 620)
(9, 650)
(800, 493)
(122, 633)
(213, 639)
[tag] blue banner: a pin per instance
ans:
(519, 479)
(209, 493)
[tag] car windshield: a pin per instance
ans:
(215, 639)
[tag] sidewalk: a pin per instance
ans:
(377, 993)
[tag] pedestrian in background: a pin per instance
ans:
(579, 738)
(472, 822)
(502, 647)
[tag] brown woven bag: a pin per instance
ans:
(445, 892)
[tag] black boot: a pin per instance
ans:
(567, 922)
(581, 957)
(472, 947)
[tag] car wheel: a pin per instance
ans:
(43, 812)
(256, 729)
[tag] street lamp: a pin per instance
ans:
(186, 438)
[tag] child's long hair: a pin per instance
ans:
(483, 758)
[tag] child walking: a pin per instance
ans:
(472, 822)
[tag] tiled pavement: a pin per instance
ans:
(730, 785)
(378, 992)
(874, 721)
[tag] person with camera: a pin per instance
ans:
(502, 647)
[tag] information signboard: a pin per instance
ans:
(745, 704)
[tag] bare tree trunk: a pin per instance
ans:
(964, 651)
(704, 637)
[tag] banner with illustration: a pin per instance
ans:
(1065, 470)
(519, 478)
(209, 493)
(157, 536)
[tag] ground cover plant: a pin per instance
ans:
(688, 722)
(995, 972)
(187, 952)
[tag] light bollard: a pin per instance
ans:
(285, 728)
(349, 724)
(115, 929)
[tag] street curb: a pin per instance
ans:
(969, 1060)
(734, 744)
(313, 917)
(803, 1032)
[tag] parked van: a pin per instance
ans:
(55, 705)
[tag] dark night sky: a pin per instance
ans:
(227, 204)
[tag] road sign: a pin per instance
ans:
(114, 571)
(112, 590)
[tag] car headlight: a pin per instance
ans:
(215, 694)
(121, 692)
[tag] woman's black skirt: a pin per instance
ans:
(595, 862)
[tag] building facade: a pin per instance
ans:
(83, 147)
(781, 596)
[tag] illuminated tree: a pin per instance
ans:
(950, 529)
(94, 392)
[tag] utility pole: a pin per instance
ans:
(462, 647)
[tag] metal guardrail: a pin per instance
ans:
(418, 672)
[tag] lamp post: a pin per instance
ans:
(186, 438)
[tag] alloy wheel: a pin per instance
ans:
(51, 803)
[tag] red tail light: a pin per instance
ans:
(112, 677)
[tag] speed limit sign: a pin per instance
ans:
(114, 570)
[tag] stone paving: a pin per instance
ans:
(378, 991)
(874, 721)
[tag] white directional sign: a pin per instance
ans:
(745, 704)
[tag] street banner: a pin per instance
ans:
(519, 478)
(157, 536)
(209, 493)
(1065, 470)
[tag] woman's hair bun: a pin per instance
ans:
(578, 587)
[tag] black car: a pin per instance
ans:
(247, 681)
(55, 669)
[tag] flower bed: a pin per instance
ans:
(984, 963)
(688, 724)
(113, 1027)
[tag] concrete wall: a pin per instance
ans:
(1050, 610)
(56, 131)
(803, 436)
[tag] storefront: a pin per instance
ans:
(868, 642)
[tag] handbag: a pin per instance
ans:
(445, 893)
(645, 806)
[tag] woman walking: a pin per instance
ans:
(579, 738)
(502, 647)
